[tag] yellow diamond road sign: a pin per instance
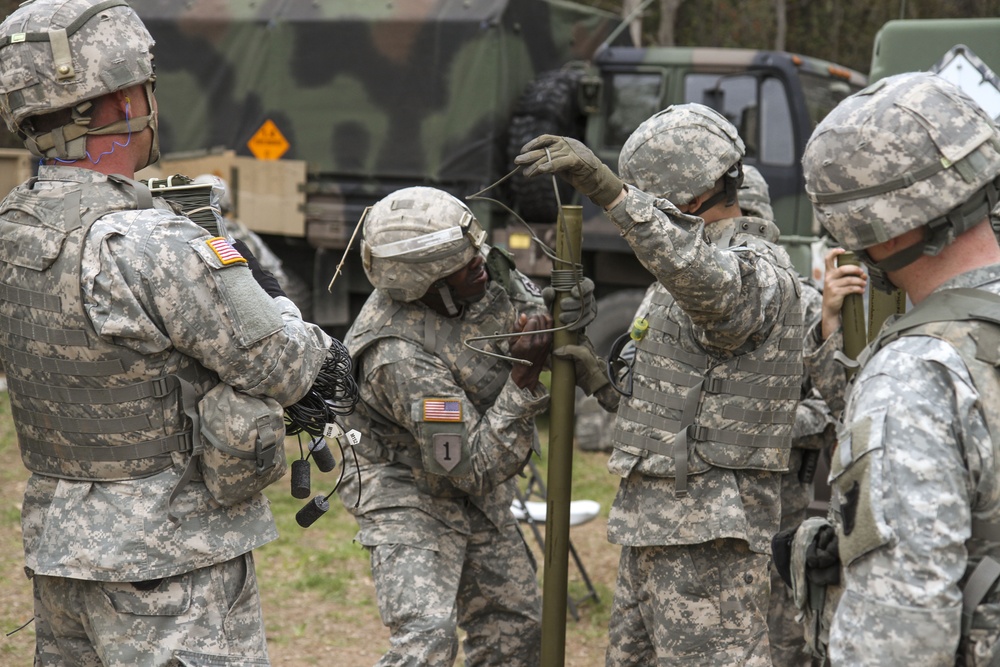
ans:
(268, 143)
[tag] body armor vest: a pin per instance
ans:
(479, 375)
(690, 410)
(969, 321)
(84, 408)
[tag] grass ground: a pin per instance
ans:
(317, 592)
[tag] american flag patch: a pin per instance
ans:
(442, 410)
(224, 250)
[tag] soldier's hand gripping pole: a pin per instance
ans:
(554, 589)
(852, 317)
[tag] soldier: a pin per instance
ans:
(811, 433)
(446, 422)
(118, 318)
(701, 442)
(905, 173)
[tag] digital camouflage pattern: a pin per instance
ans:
(932, 150)
(222, 199)
(195, 311)
(182, 612)
(189, 313)
(489, 573)
(703, 146)
(754, 195)
(244, 443)
(445, 551)
(716, 311)
(734, 299)
(109, 52)
(827, 374)
(58, 55)
(701, 604)
(913, 470)
(427, 247)
(812, 431)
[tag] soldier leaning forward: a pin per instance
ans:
(445, 428)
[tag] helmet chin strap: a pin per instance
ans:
(732, 180)
(937, 233)
(445, 293)
(69, 142)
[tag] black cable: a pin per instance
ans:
(334, 393)
(26, 624)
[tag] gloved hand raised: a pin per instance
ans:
(264, 278)
(578, 307)
(574, 163)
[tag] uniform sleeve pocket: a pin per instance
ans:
(253, 312)
(441, 435)
(857, 477)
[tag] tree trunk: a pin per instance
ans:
(781, 25)
(635, 27)
(668, 17)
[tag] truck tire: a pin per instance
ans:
(614, 313)
(548, 106)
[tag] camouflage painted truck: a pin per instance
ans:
(320, 108)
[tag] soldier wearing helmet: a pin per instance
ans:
(447, 421)
(703, 437)
(905, 173)
(120, 319)
(812, 432)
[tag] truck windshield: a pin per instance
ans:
(632, 98)
(823, 93)
(757, 105)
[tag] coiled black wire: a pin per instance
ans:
(333, 394)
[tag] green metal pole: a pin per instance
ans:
(852, 316)
(569, 233)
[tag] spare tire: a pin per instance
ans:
(548, 105)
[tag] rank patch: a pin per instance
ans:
(224, 250)
(442, 410)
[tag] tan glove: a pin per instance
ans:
(574, 163)
(578, 307)
(591, 370)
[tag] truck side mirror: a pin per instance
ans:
(589, 93)
(714, 98)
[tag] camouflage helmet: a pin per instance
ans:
(221, 198)
(59, 54)
(681, 152)
(755, 196)
(415, 237)
(908, 151)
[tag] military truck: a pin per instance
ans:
(319, 108)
